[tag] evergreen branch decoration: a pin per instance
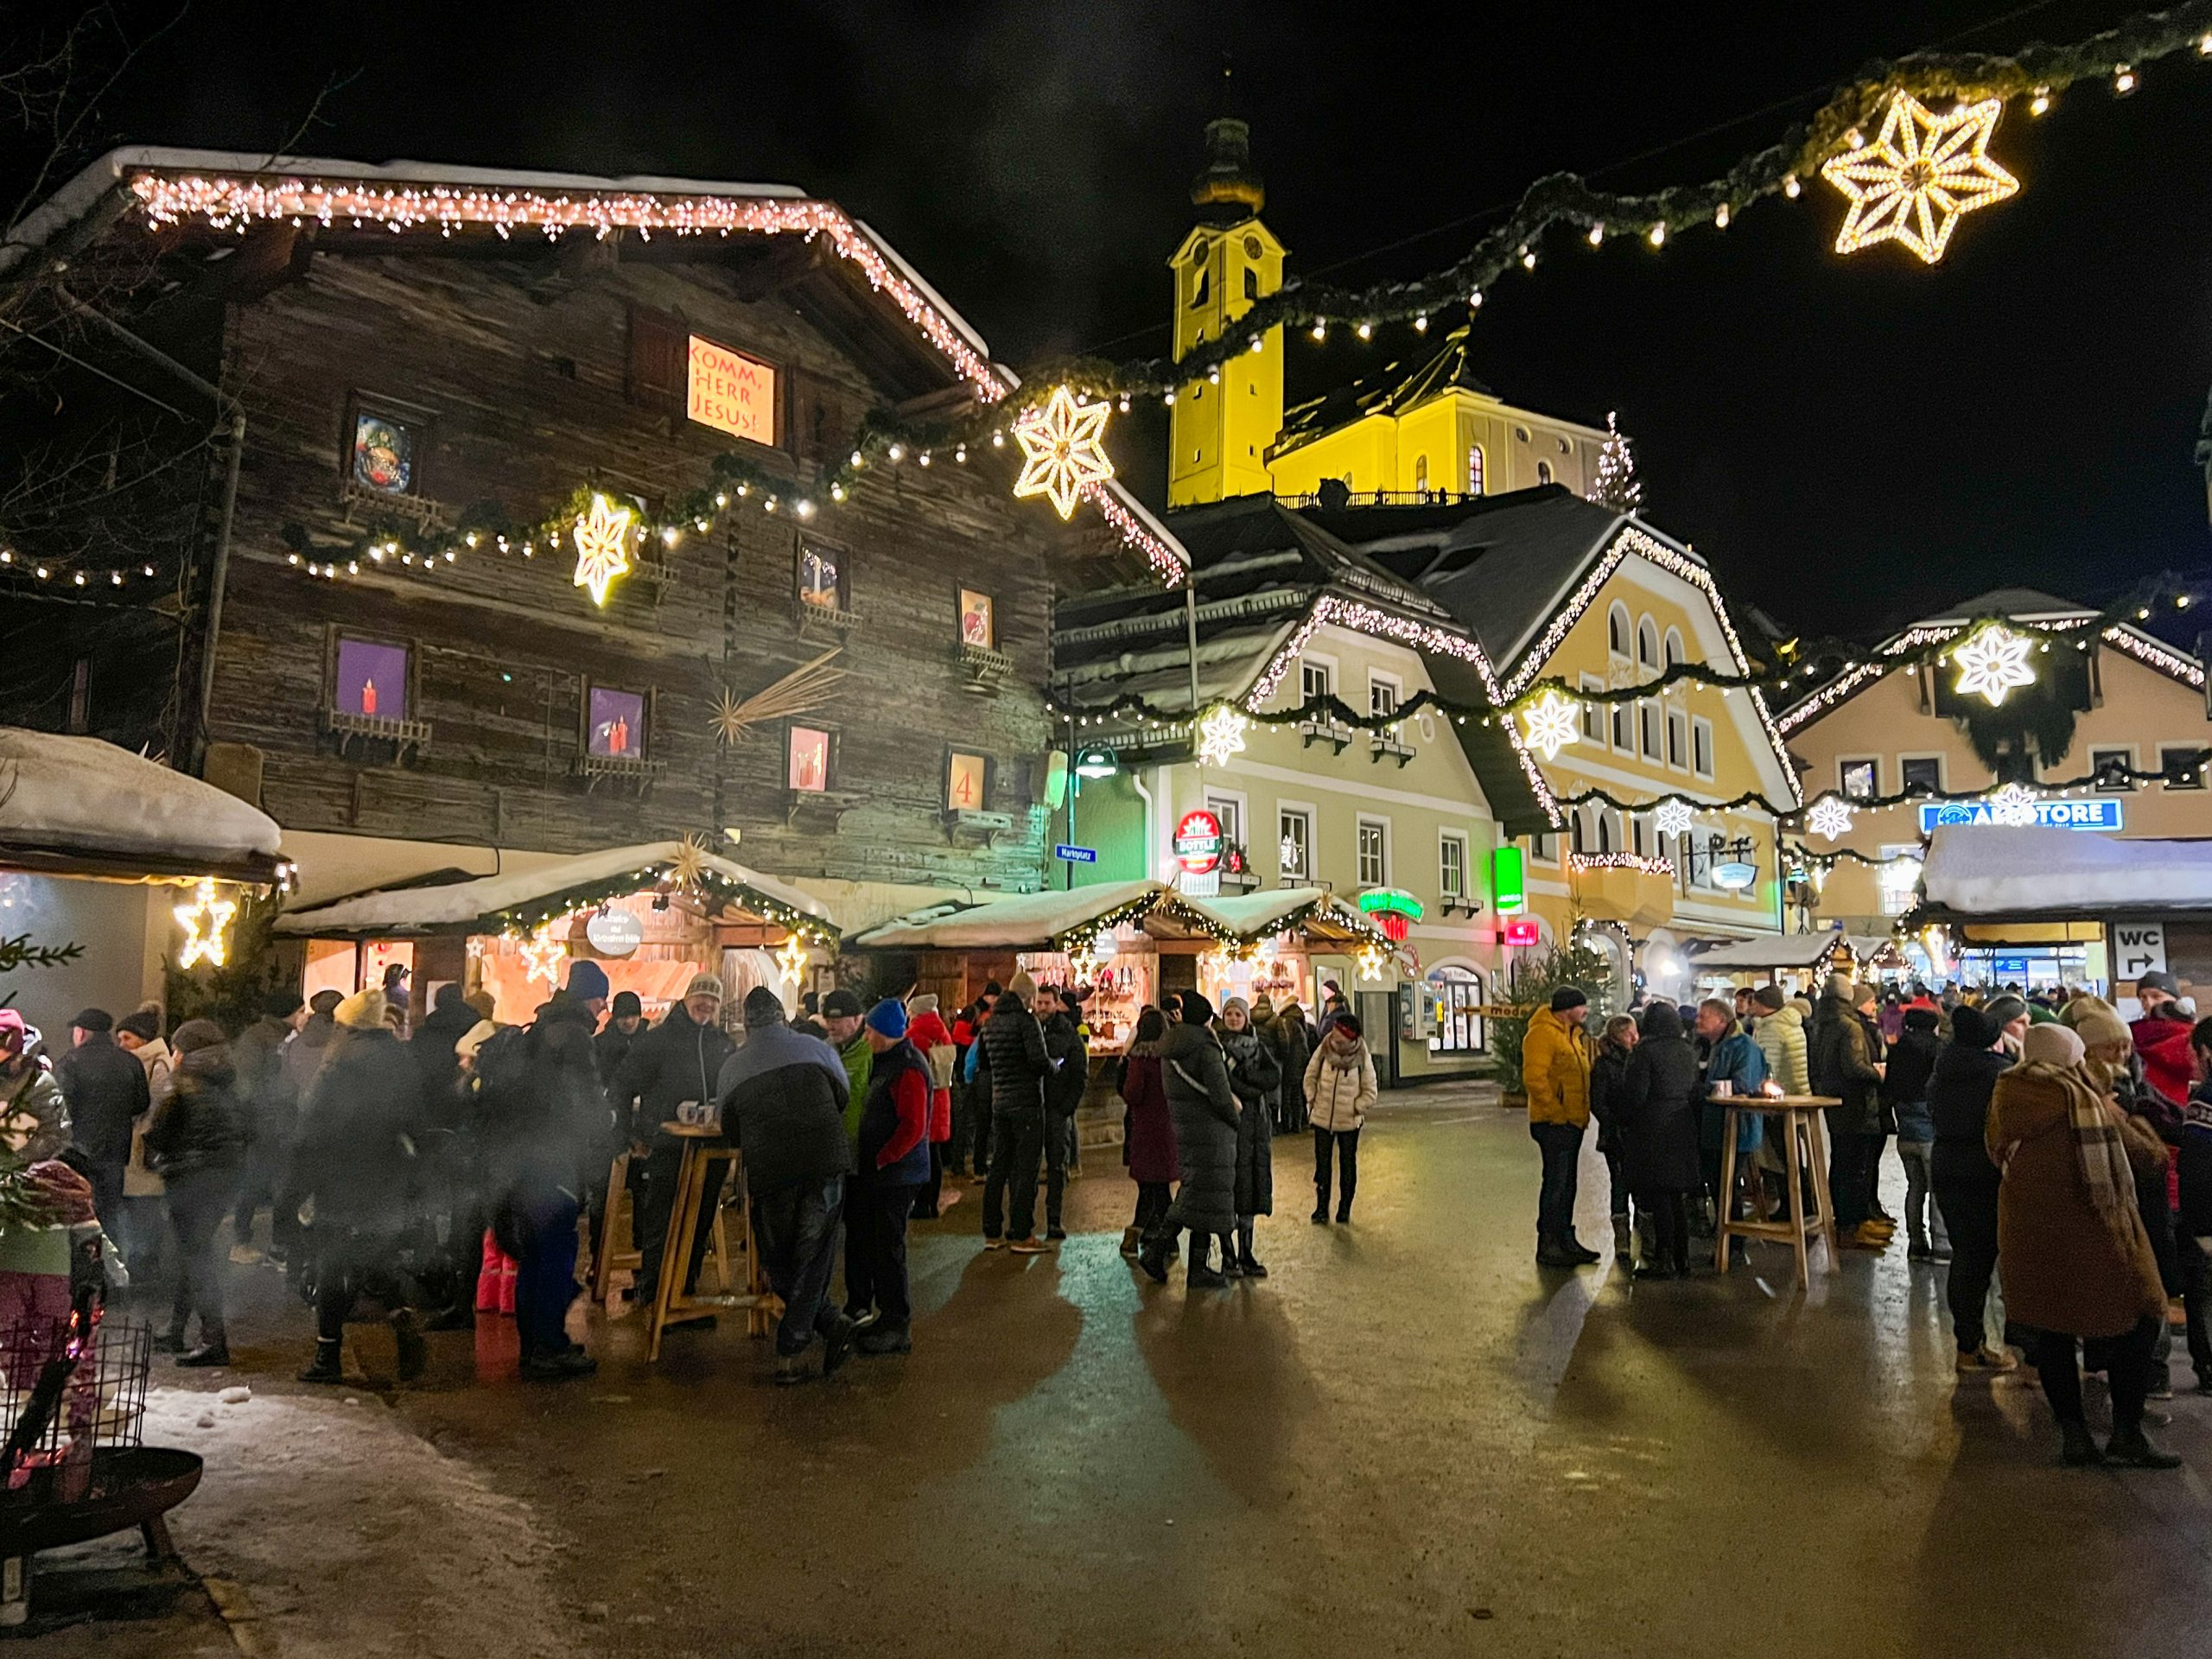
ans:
(20, 952)
(805, 688)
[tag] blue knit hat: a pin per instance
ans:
(587, 980)
(888, 1017)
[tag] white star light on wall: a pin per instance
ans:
(1992, 663)
(1221, 735)
(1063, 449)
(542, 954)
(1672, 818)
(791, 961)
(603, 546)
(1370, 963)
(1830, 817)
(1913, 183)
(1552, 723)
(205, 922)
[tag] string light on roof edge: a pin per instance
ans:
(1921, 173)
(1063, 449)
(1992, 663)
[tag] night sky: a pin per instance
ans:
(1852, 443)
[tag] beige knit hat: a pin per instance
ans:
(363, 1011)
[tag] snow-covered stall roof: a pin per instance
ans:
(2029, 870)
(79, 807)
(1009, 923)
(1252, 916)
(483, 904)
(1771, 951)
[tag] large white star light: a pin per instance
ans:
(1063, 449)
(1672, 818)
(205, 922)
(602, 538)
(1992, 663)
(1830, 817)
(1552, 723)
(791, 961)
(1221, 735)
(1913, 183)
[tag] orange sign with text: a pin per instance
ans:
(732, 393)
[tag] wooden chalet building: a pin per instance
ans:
(409, 352)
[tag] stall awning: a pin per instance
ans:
(1774, 951)
(2027, 871)
(1320, 914)
(78, 806)
(493, 904)
(1015, 921)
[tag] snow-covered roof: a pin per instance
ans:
(79, 805)
(2028, 870)
(1258, 915)
(1030, 919)
(1769, 951)
(459, 905)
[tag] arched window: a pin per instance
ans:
(1575, 839)
(1605, 832)
(1647, 643)
(1474, 469)
(1251, 283)
(1420, 474)
(1201, 283)
(1675, 654)
(1635, 833)
(1544, 472)
(1617, 626)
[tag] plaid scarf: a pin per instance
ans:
(2102, 1156)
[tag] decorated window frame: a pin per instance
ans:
(616, 706)
(2102, 755)
(970, 604)
(840, 560)
(346, 650)
(1452, 883)
(2178, 767)
(793, 731)
(983, 774)
(1305, 818)
(1847, 764)
(410, 420)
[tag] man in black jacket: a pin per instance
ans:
(106, 1090)
(782, 1105)
(675, 1063)
(1012, 1069)
(1966, 1181)
(1063, 1087)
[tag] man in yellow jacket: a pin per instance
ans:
(1555, 1070)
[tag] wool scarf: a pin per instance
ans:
(2098, 1148)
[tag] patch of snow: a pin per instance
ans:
(2024, 870)
(236, 1395)
(1030, 918)
(80, 794)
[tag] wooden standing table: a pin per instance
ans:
(1803, 1149)
(703, 1147)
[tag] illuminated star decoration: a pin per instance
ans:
(1552, 723)
(1371, 962)
(689, 867)
(1830, 817)
(603, 546)
(1221, 735)
(1672, 818)
(1063, 449)
(205, 922)
(1992, 663)
(2014, 803)
(541, 953)
(791, 961)
(1913, 182)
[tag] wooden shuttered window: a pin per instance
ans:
(660, 347)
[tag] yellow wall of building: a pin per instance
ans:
(2141, 711)
(1430, 447)
(1218, 434)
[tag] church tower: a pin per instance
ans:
(1218, 434)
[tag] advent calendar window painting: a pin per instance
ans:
(615, 724)
(810, 759)
(964, 783)
(821, 578)
(382, 453)
(372, 679)
(976, 627)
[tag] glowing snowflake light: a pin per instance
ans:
(1552, 723)
(1830, 817)
(205, 922)
(1992, 662)
(1672, 818)
(1221, 735)
(603, 546)
(1063, 449)
(1913, 183)
(2015, 803)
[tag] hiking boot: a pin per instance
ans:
(1230, 1266)
(836, 1345)
(1575, 1246)
(1056, 1233)
(1344, 1216)
(2132, 1450)
(2078, 1449)
(325, 1367)
(1320, 1216)
(414, 1352)
(1254, 1268)
(880, 1339)
(1556, 1255)
(1203, 1277)
(171, 1341)
(1154, 1261)
(207, 1356)
(790, 1370)
(1132, 1239)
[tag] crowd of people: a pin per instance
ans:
(2057, 1160)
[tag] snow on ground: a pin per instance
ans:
(352, 1536)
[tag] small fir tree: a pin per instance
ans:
(1617, 486)
(1535, 977)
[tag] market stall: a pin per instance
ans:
(651, 915)
(1796, 962)
(1287, 942)
(117, 865)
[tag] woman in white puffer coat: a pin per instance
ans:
(1340, 1088)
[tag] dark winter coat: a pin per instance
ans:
(545, 1124)
(1203, 1107)
(783, 1103)
(1255, 1079)
(1846, 1049)
(609, 1049)
(1662, 1098)
(1292, 1039)
(270, 1105)
(304, 1055)
(1608, 1092)
(360, 1134)
(1959, 1087)
(199, 1125)
(1912, 1066)
(2193, 1162)
(1064, 1088)
(1013, 1061)
(894, 1133)
(678, 1060)
(432, 1043)
(106, 1090)
(1151, 1135)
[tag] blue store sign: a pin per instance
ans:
(1068, 854)
(2101, 812)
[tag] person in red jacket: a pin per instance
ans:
(2162, 1036)
(926, 1031)
(894, 1162)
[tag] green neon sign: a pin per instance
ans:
(1508, 882)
